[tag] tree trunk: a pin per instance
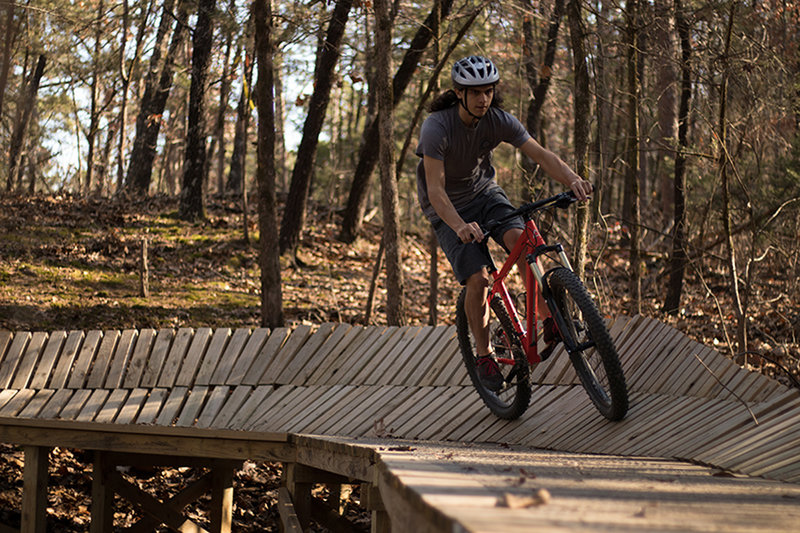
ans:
(10, 29)
(295, 210)
(236, 182)
(679, 260)
(21, 124)
(224, 92)
(395, 312)
(269, 258)
(300, 186)
(154, 99)
(192, 198)
(582, 97)
(741, 333)
(94, 97)
(632, 174)
(367, 155)
(603, 106)
(666, 80)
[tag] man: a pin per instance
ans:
(458, 191)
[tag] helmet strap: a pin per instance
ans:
(463, 101)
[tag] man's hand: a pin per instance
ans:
(581, 188)
(470, 232)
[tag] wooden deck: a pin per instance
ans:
(254, 390)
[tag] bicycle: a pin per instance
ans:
(582, 330)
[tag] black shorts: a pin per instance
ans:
(468, 258)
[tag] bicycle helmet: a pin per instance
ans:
(474, 71)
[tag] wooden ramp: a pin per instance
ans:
(352, 382)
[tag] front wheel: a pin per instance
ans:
(591, 348)
(513, 398)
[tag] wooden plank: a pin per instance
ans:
(77, 378)
(454, 372)
(177, 354)
(196, 353)
(452, 414)
(405, 336)
(158, 354)
(75, 404)
(332, 415)
(152, 406)
(310, 401)
(423, 358)
(93, 405)
(344, 365)
(322, 374)
(685, 366)
(664, 369)
(14, 355)
(232, 405)
(368, 359)
(55, 404)
(138, 363)
(112, 406)
(172, 406)
(31, 356)
(248, 371)
(192, 406)
(333, 340)
(289, 521)
(547, 401)
(435, 399)
(706, 382)
(708, 413)
(254, 400)
(398, 359)
(275, 406)
(292, 372)
(133, 404)
(213, 405)
(219, 340)
(102, 360)
(119, 362)
(37, 403)
(230, 358)
(17, 403)
(265, 409)
(275, 366)
(5, 341)
(367, 419)
(449, 351)
(331, 397)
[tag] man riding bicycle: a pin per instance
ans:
(458, 192)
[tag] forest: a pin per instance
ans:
(264, 151)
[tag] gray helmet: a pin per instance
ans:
(474, 71)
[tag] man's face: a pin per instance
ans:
(478, 98)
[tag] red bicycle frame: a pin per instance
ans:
(532, 245)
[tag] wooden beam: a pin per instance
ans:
(34, 492)
(289, 520)
(102, 495)
(300, 491)
(221, 500)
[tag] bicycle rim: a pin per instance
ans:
(580, 323)
(512, 400)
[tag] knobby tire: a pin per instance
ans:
(511, 401)
(598, 367)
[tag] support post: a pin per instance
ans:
(222, 500)
(300, 491)
(34, 491)
(102, 495)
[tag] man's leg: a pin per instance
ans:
(477, 311)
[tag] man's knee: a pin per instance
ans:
(479, 281)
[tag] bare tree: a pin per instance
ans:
(395, 314)
(632, 175)
(192, 200)
(21, 124)
(300, 186)
(679, 260)
(269, 258)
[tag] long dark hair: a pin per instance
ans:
(449, 98)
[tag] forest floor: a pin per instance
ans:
(74, 263)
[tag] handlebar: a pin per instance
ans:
(561, 201)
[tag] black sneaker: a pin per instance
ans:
(551, 337)
(489, 373)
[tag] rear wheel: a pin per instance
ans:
(591, 348)
(512, 399)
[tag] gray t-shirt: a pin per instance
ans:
(466, 152)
